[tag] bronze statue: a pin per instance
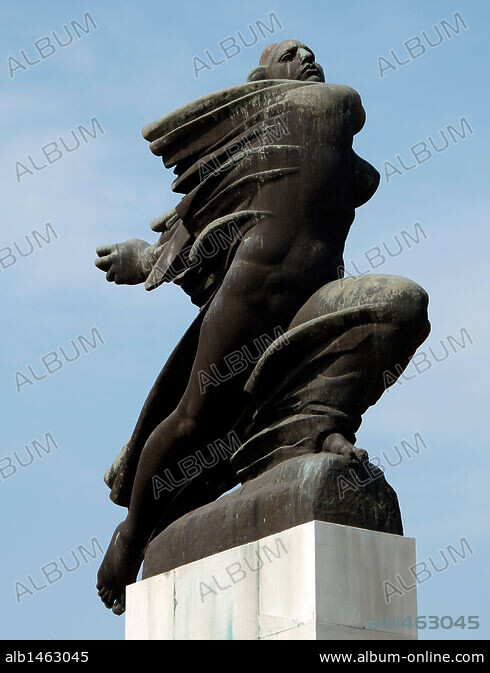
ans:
(285, 354)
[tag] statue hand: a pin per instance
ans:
(123, 262)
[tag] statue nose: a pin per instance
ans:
(305, 56)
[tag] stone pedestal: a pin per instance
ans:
(316, 581)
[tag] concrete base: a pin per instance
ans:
(316, 581)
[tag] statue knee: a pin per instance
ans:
(408, 304)
(401, 299)
(185, 423)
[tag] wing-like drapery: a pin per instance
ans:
(224, 148)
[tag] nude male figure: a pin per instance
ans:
(295, 250)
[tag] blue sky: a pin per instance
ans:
(137, 65)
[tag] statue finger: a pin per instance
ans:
(104, 263)
(104, 250)
(110, 275)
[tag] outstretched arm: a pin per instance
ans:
(130, 263)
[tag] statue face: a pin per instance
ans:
(293, 60)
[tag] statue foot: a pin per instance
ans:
(338, 444)
(118, 569)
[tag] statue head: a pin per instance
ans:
(289, 59)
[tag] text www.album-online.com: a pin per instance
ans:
(393, 657)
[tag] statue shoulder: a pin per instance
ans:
(330, 99)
